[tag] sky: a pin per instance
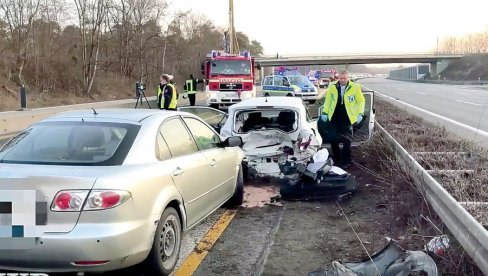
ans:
(290, 27)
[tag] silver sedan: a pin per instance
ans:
(108, 189)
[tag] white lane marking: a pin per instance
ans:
(401, 89)
(468, 103)
(464, 93)
(421, 93)
(470, 128)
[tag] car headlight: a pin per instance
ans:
(213, 94)
(298, 90)
(315, 89)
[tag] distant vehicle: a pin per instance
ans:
(291, 85)
(231, 78)
(325, 79)
(119, 187)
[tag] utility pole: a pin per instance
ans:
(233, 47)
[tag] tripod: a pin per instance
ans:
(140, 94)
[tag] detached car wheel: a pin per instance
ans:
(165, 251)
(238, 198)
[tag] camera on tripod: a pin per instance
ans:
(140, 88)
(141, 93)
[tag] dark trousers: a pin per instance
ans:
(192, 98)
(342, 156)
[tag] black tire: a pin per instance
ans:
(238, 198)
(216, 106)
(289, 95)
(266, 94)
(311, 102)
(169, 228)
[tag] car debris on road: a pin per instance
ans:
(318, 178)
(392, 260)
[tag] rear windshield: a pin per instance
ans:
(285, 120)
(71, 143)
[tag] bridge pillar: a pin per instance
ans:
(347, 67)
(433, 70)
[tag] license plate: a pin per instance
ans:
(230, 95)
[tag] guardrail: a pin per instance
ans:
(472, 236)
(12, 122)
(474, 82)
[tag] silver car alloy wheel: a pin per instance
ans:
(169, 241)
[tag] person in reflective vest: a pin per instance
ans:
(191, 88)
(167, 98)
(343, 108)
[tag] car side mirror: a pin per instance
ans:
(258, 66)
(234, 141)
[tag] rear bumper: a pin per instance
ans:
(121, 244)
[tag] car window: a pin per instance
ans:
(162, 149)
(268, 81)
(285, 120)
(177, 138)
(286, 82)
(210, 116)
(71, 143)
(278, 81)
(205, 137)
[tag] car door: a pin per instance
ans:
(365, 130)
(221, 170)
(280, 88)
(189, 167)
(268, 87)
(214, 117)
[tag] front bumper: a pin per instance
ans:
(121, 244)
(306, 96)
(228, 97)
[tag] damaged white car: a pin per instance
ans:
(276, 130)
(273, 129)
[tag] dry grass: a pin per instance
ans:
(418, 136)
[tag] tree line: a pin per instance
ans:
(53, 45)
(472, 43)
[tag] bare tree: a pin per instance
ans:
(20, 15)
(91, 15)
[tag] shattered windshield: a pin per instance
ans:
(231, 67)
(285, 120)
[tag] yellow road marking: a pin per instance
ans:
(201, 250)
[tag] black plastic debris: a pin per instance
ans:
(315, 180)
(392, 260)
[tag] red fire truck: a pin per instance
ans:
(230, 78)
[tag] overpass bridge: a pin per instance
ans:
(304, 60)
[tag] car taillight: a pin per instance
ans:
(77, 200)
(69, 201)
(99, 199)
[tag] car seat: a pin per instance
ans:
(286, 120)
(254, 119)
(86, 142)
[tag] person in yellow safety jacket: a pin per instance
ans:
(343, 108)
(191, 88)
(167, 98)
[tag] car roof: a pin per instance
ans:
(125, 114)
(268, 101)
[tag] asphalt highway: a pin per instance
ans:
(462, 103)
